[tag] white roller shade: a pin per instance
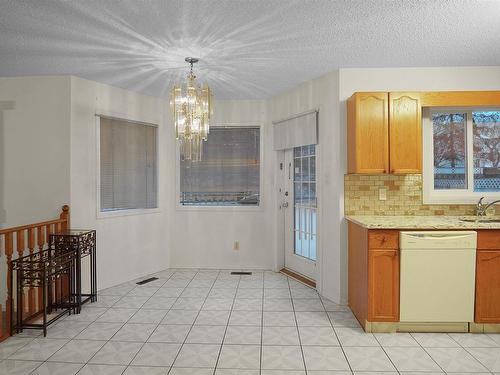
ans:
(298, 131)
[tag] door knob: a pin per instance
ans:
(285, 205)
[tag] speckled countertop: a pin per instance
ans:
(420, 222)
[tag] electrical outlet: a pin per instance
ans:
(382, 194)
(236, 245)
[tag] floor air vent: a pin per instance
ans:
(240, 273)
(147, 281)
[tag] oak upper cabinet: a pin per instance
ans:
(383, 277)
(488, 277)
(368, 132)
(405, 132)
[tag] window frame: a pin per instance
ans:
(450, 196)
(131, 211)
(235, 208)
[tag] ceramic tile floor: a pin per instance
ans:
(210, 322)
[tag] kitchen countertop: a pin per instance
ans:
(419, 222)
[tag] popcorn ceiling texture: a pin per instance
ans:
(404, 197)
(247, 49)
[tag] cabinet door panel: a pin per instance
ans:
(488, 286)
(368, 132)
(383, 285)
(405, 132)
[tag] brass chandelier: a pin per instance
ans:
(192, 109)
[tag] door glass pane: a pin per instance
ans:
(305, 207)
(450, 160)
(486, 127)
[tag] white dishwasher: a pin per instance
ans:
(437, 276)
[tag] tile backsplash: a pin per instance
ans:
(404, 197)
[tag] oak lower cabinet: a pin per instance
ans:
(373, 274)
(488, 277)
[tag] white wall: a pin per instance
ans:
(128, 246)
(204, 237)
(34, 148)
(34, 152)
(321, 94)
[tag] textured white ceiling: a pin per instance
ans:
(248, 49)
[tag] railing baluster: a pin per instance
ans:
(31, 291)
(40, 240)
(1, 321)
(8, 256)
(50, 284)
(20, 246)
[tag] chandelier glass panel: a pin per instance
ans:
(192, 109)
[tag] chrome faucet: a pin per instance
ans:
(481, 208)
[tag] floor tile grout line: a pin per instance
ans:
(159, 323)
(338, 339)
(109, 340)
(262, 323)
(466, 349)
(297, 327)
(425, 350)
(387, 355)
(227, 325)
(194, 320)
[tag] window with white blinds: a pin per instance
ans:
(128, 162)
(229, 172)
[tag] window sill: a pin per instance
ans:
(449, 198)
(259, 208)
(132, 212)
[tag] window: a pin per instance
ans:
(128, 163)
(305, 201)
(229, 172)
(461, 155)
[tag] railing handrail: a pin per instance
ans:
(30, 226)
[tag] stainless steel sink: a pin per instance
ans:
(480, 220)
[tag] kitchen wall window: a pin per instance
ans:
(128, 165)
(461, 155)
(228, 173)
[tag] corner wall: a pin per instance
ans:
(128, 246)
(204, 237)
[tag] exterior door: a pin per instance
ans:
(300, 210)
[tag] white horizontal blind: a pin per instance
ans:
(298, 131)
(128, 161)
(229, 172)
